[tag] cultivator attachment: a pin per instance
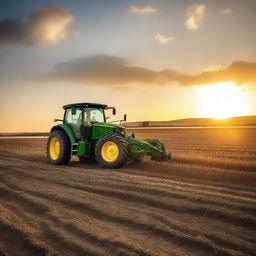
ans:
(150, 147)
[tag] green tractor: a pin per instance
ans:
(84, 133)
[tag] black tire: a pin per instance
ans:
(65, 148)
(122, 155)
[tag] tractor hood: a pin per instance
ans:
(100, 129)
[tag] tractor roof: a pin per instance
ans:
(85, 105)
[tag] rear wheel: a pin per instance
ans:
(58, 148)
(111, 151)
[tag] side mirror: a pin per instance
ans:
(114, 111)
(73, 110)
(125, 117)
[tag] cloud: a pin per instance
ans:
(238, 71)
(102, 70)
(46, 26)
(161, 39)
(194, 14)
(226, 11)
(213, 68)
(142, 9)
(110, 71)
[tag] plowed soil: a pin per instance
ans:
(201, 203)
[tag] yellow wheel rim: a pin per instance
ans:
(109, 151)
(54, 148)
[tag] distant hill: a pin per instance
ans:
(188, 122)
(23, 134)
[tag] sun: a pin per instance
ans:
(221, 100)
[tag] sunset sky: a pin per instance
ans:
(151, 59)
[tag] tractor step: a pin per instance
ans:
(74, 149)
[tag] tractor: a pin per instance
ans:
(85, 133)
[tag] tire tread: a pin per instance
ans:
(65, 148)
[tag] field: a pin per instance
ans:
(202, 203)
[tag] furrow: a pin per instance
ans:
(174, 235)
(226, 240)
(90, 174)
(57, 244)
(206, 210)
(53, 222)
(23, 243)
(126, 185)
(178, 227)
(180, 194)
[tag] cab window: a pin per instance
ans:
(93, 115)
(73, 119)
(97, 115)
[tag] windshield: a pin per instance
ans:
(93, 115)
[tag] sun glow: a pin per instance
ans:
(221, 100)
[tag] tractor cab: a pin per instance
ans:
(81, 117)
(88, 120)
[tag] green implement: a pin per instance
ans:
(84, 133)
(150, 147)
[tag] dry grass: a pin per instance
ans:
(202, 203)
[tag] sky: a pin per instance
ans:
(151, 59)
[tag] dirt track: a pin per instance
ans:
(147, 208)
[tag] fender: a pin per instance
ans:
(68, 131)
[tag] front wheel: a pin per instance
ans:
(111, 151)
(58, 148)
